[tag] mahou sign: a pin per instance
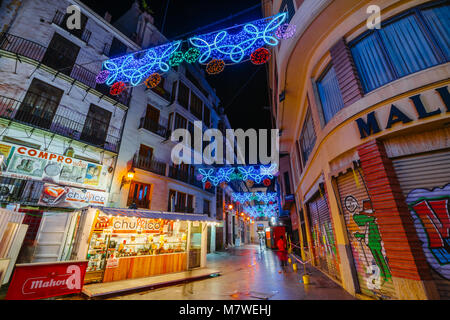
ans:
(44, 280)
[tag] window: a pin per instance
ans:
(96, 126)
(174, 91)
(183, 95)
(40, 104)
(287, 183)
(415, 40)
(288, 6)
(307, 137)
(180, 122)
(196, 106)
(330, 94)
(61, 54)
(117, 48)
(190, 203)
(206, 207)
(207, 116)
(140, 195)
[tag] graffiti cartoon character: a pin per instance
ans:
(372, 238)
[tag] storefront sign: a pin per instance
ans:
(69, 197)
(44, 280)
(127, 224)
(28, 163)
(371, 125)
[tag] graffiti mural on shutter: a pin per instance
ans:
(367, 246)
(322, 232)
(425, 182)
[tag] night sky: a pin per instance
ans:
(242, 88)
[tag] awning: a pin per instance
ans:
(141, 213)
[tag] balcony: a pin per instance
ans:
(36, 52)
(150, 165)
(154, 127)
(60, 20)
(183, 209)
(162, 93)
(62, 121)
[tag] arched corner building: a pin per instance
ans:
(364, 109)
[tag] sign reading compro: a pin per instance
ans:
(27, 163)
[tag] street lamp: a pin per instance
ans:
(128, 177)
(230, 206)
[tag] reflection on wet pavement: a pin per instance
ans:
(249, 273)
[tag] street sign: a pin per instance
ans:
(44, 280)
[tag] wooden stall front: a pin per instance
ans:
(146, 266)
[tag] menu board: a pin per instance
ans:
(28, 163)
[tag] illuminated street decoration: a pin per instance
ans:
(286, 31)
(236, 44)
(136, 67)
(255, 173)
(260, 56)
(102, 76)
(243, 197)
(117, 88)
(216, 50)
(153, 80)
(215, 66)
(269, 210)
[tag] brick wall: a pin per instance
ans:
(403, 249)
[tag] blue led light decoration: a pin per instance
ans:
(269, 210)
(243, 173)
(136, 67)
(243, 197)
(236, 44)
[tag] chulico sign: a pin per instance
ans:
(117, 224)
(69, 197)
(27, 163)
(425, 105)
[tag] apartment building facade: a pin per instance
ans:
(364, 114)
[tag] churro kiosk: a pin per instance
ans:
(125, 244)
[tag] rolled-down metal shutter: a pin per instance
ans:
(425, 182)
(369, 256)
(322, 230)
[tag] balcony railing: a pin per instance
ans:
(37, 52)
(154, 127)
(183, 209)
(60, 20)
(62, 121)
(18, 190)
(151, 165)
(162, 93)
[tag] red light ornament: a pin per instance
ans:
(260, 56)
(208, 185)
(267, 182)
(117, 88)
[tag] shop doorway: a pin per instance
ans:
(195, 246)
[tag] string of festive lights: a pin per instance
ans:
(217, 49)
(269, 210)
(136, 67)
(243, 197)
(242, 173)
(153, 80)
(236, 44)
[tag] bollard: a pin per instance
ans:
(294, 266)
(306, 279)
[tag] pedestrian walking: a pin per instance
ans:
(282, 253)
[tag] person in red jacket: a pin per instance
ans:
(282, 253)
